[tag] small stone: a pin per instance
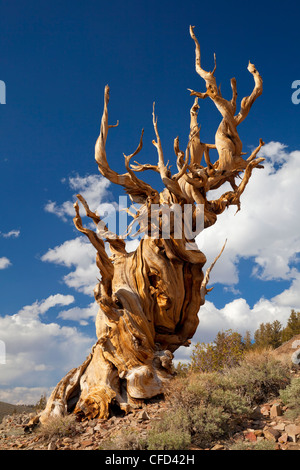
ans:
(89, 430)
(279, 427)
(98, 427)
(251, 436)
(87, 443)
(293, 431)
(143, 416)
(271, 434)
(256, 413)
(275, 410)
(265, 410)
(218, 447)
(292, 446)
(51, 446)
(283, 438)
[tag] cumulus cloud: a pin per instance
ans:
(79, 254)
(239, 316)
(81, 315)
(94, 189)
(267, 229)
(24, 395)
(41, 307)
(4, 263)
(38, 352)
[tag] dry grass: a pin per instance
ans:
(57, 427)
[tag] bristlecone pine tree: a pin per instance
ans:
(149, 299)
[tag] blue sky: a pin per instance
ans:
(56, 58)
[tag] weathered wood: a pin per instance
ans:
(149, 299)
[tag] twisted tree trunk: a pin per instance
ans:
(149, 299)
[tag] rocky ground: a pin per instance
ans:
(86, 435)
(268, 424)
(268, 429)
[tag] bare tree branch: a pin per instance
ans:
(137, 190)
(205, 281)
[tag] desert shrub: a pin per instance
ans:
(57, 427)
(291, 397)
(202, 409)
(171, 432)
(259, 377)
(207, 406)
(260, 445)
(209, 422)
(129, 439)
(216, 405)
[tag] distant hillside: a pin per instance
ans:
(8, 409)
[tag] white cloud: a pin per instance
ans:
(274, 151)
(24, 395)
(267, 229)
(131, 245)
(38, 352)
(94, 189)
(4, 262)
(81, 255)
(41, 307)
(81, 315)
(78, 253)
(62, 210)
(239, 316)
(11, 234)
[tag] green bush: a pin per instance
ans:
(244, 445)
(208, 423)
(201, 410)
(259, 377)
(125, 440)
(172, 432)
(205, 407)
(291, 397)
